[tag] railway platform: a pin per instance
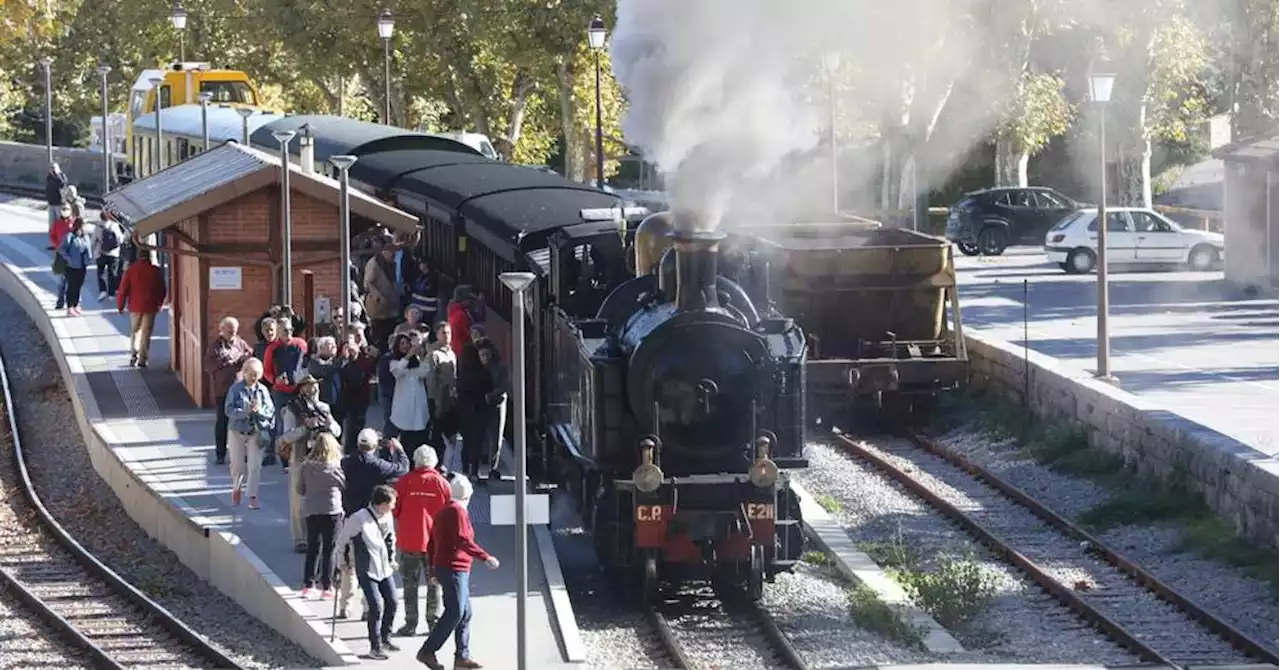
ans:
(150, 442)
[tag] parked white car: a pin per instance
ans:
(1135, 236)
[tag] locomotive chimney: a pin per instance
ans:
(696, 271)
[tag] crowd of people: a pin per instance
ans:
(140, 288)
(358, 513)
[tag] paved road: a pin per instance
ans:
(1185, 340)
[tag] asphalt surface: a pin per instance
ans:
(1185, 340)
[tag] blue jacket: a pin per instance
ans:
(239, 398)
(76, 251)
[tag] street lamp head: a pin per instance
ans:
(178, 17)
(596, 33)
(831, 61)
(46, 62)
(1102, 79)
(246, 112)
(516, 281)
(283, 136)
(205, 97)
(342, 162)
(386, 24)
(156, 81)
(104, 69)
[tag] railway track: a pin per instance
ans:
(736, 623)
(91, 607)
(1116, 596)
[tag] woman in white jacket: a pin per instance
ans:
(371, 533)
(409, 411)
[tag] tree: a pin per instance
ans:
(1038, 112)
(1252, 55)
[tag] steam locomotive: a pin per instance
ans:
(692, 405)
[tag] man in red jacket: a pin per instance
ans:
(286, 360)
(142, 289)
(420, 495)
(459, 317)
(453, 546)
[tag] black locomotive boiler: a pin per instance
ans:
(691, 411)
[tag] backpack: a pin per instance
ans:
(110, 238)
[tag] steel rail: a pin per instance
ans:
(164, 617)
(1236, 637)
(667, 638)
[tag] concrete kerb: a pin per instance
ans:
(219, 557)
(561, 606)
(1238, 482)
(860, 569)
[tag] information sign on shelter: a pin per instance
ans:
(225, 279)
(502, 509)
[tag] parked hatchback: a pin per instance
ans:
(989, 221)
(1135, 236)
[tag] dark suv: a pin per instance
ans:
(988, 221)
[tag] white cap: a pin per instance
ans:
(367, 438)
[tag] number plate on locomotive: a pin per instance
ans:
(759, 512)
(648, 512)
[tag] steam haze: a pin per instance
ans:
(729, 98)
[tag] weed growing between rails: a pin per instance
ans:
(952, 589)
(866, 609)
(1131, 499)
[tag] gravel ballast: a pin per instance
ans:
(27, 642)
(1020, 624)
(89, 510)
(1245, 602)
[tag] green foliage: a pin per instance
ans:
(1038, 112)
(827, 502)
(955, 590)
(817, 558)
(1177, 99)
(869, 612)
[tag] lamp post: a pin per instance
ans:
(831, 63)
(245, 113)
(47, 62)
(179, 20)
(155, 83)
(205, 97)
(386, 28)
(1101, 81)
(103, 71)
(344, 163)
(286, 241)
(595, 38)
(518, 282)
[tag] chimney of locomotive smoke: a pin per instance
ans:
(696, 270)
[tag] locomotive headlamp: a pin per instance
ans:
(648, 477)
(764, 472)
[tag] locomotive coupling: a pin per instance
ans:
(764, 472)
(647, 477)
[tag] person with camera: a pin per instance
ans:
(364, 471)
(356, 388)
(409, 410)
(303, 419)
(252, 415)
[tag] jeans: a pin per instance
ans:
(380, 598)
(62, 290)
(75, 283)
(480, 438)
(108, 274)
(220, 428)
(457, 614)
(413, 567)
(320, 531)
(281, 400)
(386, 397)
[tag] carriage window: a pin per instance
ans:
(229, 92)
(164, 97)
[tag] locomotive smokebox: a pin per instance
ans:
(696, 268)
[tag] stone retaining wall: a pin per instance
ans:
(25, 165)
(1237, 481)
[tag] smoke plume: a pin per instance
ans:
(729, 98)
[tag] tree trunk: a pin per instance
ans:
(574, 162)
(1021, 163)
(516, 109)
(1004, 159)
